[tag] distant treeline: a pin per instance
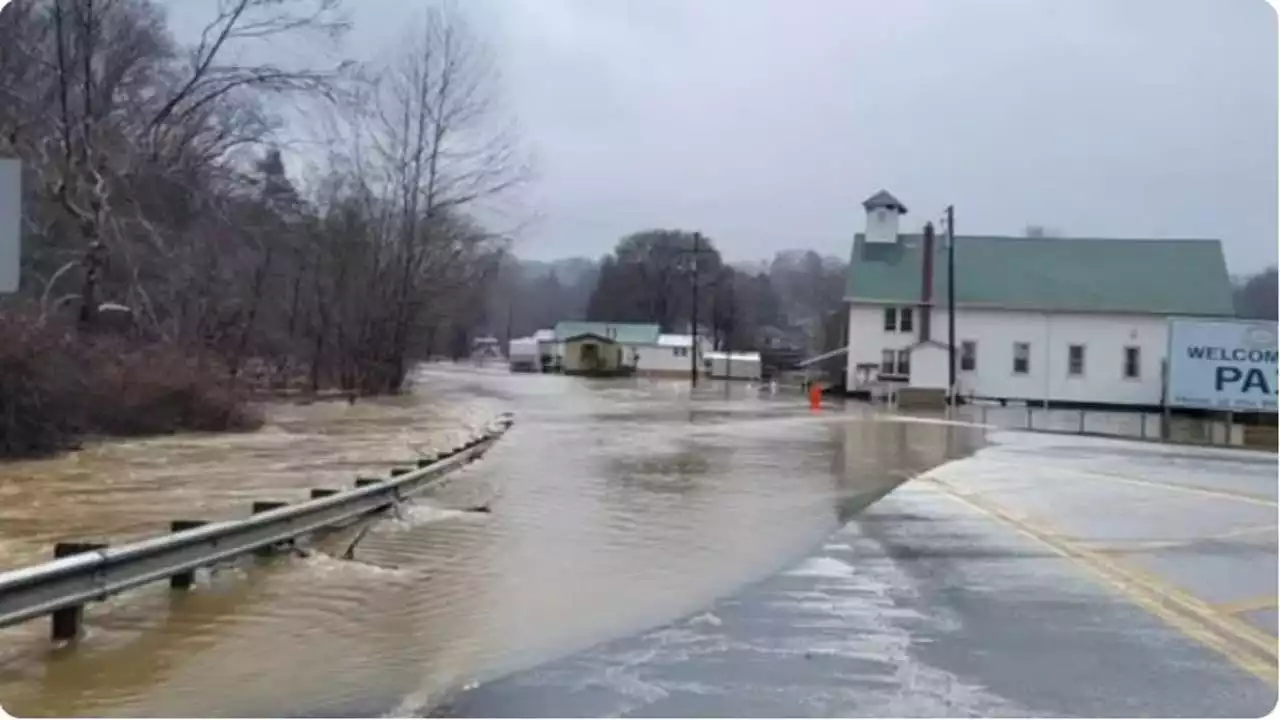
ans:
(649, 277)
(1256, 295)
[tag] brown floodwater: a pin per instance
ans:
(616, 505)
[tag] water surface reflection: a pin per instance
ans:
(619, 505)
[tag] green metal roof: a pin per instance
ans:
(629, 333)
(1167, 277)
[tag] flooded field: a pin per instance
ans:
(616, 506)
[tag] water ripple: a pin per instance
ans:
(615, 506)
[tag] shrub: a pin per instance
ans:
(38, 383)
(57, 385)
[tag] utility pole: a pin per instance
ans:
(728, 334)
(693, 345)
(951, 304)
(511, 308)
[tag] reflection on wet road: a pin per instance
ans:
(1030, 579)
(618, 506)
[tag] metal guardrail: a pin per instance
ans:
(96, 572)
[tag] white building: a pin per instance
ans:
(732, 365)
(1055, 320)
(644, 347)
(669, 357)
(522, 355)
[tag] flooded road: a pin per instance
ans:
(616, 506)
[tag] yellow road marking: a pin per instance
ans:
(1246, 647)
(1193, 489)
(1263, 642)
(1265, 602)
(1177, 487)
(1112, 547)
(1191, 604)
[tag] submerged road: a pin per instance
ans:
(1043, 576)
(652, 554)
(616, 507)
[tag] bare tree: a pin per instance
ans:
(440, 151)
(154, 182)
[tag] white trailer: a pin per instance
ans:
(523, 356)
(733, 366)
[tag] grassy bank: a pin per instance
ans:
(57, 386)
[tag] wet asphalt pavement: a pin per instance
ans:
(1152, 593)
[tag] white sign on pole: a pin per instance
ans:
(1223, 365)
(10, 224)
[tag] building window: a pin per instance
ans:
(1132, 362)
(905, 320)
(891, 319)
(680, 352)
(1075, 360)
(904, 362)
(968, 355)
(887, 358)
(1021, 358)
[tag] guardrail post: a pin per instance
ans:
(1082, 422)
(261, 506)
(366, 481)
(66, 623)
(317, 493)
(185, 579)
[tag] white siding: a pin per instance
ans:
(523, 349)
(868, 338)
(882, 226)
(1049, 335)
(929, 367)
(670, 356)
(736, 366)
(664, 359)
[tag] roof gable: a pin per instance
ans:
(929, 345)
(883, 199)
(589, 336)
(629, 333)
(1166, 277)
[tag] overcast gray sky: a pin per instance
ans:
(765, 123)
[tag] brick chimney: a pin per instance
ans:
(926, 283)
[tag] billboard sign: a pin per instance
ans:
(1222, 365)
(10, 224)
